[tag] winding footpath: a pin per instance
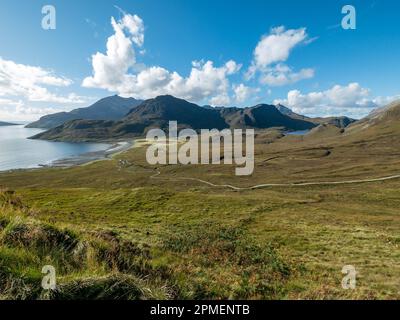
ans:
(268, 185)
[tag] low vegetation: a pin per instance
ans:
(101, 265)
(89, 266)
(122, 229)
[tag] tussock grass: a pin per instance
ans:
(232, 264)
(88, 266)
(221, 261)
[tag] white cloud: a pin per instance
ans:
(115, 70)
(243, 93)
(276, 46)
(272, 51)
(110, 69)
(204, 82)
(30, 82)
(24, 92)
(221, 100)
(8, 102)
(351, 100)
(13, 110)
(135, 26)
(27, 111)
(282, 75)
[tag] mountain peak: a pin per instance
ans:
(264, 106)
(108, 108)
(169, 98)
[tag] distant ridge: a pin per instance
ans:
(157, 112)
(387, 118)
(109, 108)
(264, 116)
(288, 112)
(389, 112)
(7, 124)
(340, 122)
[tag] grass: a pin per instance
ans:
(89, 266)
(169, 238)
(98, 264)
(231, 264)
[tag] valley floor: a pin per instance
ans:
(156, 232)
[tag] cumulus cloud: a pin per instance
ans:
(9, 102)
(17, 110)
(204, 82)
(220, 100)
(271, 53)
(243, 92)
(135, 26)
(277, 46)
(282, 75)
(31, 82)
(110, 69)
(351, 100)
(115, 70)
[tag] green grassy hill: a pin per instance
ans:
(89, 265)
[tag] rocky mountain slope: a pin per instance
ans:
(109, 108)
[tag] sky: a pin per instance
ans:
(211, 52)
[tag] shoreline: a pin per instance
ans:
(110, 149)
(90, 157)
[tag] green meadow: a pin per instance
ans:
(121, 229)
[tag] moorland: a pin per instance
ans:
(122, 229)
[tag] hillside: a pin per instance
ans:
(159, 111)
(190, 236)
(89, 265)
(386, 118)
(265, 116)
(289, 112)
(109, 108)
(80, 131)
(340, 122)
(324, 131)
(156, 113)
(6, 124)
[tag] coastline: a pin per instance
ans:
(90, 157)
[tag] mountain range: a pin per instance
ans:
(109, 108)
(340, 122)
(157, 112)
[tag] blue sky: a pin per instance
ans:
(234, 53)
